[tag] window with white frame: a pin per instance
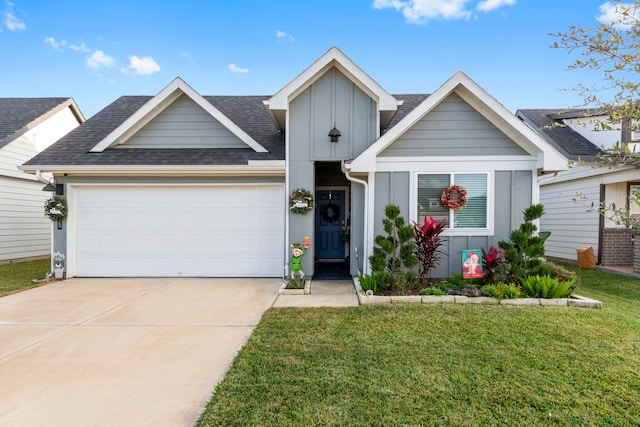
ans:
(474, 216)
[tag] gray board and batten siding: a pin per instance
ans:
(453, 128)
(183, 124)
(331, 100)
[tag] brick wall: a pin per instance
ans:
(617, 247)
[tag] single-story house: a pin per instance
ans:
(571, 219)
(28, 126)
(181, 184)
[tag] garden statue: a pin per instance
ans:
(298, 252)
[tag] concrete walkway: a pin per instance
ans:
(323, 294)
(122, 352)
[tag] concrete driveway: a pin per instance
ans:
(122, 352)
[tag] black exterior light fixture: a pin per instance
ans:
(53, 185)
(334, 133)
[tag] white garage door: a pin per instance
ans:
(188, 231)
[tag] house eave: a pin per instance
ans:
(253, 168)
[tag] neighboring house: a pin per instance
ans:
(181, 184)
(28, 126)
(574, 224)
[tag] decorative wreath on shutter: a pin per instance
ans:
(454, 197)
(301, 201)
(55, 208)
(330, 212)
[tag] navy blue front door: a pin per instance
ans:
(329, 213)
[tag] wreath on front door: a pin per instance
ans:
(330, 212)
(454, 197)
(55, 208)
(301, 201)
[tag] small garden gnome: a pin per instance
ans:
(298, 253)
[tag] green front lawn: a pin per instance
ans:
(18, 276)
(459, 365)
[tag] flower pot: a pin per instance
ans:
(58, 273)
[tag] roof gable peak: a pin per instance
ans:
(332, 58)
(487, 106)
(159, 103)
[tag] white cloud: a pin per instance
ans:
(423, 11)
(13, 23)
(235, 69)
(188, 57)
(80, 47)
(143, 66)
(57, 45)
(489, 5)
(99, 59)
(281, 35)
(612, 13)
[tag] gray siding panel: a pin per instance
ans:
(184, 124)
(390, 188)
(453, 127)
(356, 245)
(332, 99)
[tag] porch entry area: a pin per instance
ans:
(332, 222)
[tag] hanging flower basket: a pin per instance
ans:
(301, 201)
(454, 197)
(55, 208)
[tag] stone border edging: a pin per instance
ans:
(573, 301)
(306, 291)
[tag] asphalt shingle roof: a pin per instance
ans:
(549, 123)
(248, 112)
(17, 113)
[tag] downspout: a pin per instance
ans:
(39, 176)
(51, 249)
(547, 178)
(540, 181)
(365, 239)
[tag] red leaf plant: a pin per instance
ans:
(428, 244)
(491, 260)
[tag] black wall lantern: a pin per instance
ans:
(53, 185)
(334, 134)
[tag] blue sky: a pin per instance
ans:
(96, 51)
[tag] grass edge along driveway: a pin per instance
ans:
(460, 365)
(17, 276)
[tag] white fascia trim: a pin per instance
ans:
(485, 104)
(158, 103)
(549, 159)
(585, 171)
(333, 57)
(454, 164)
(103, 170)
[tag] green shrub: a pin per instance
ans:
(375, 282)
(525, 249)
(458, 280)
(546, 287)
(295, 283)
(562, 273)
(503, 290)
(433, 290)
(393, 253)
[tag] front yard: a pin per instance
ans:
(460, 365)
(18, 276)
